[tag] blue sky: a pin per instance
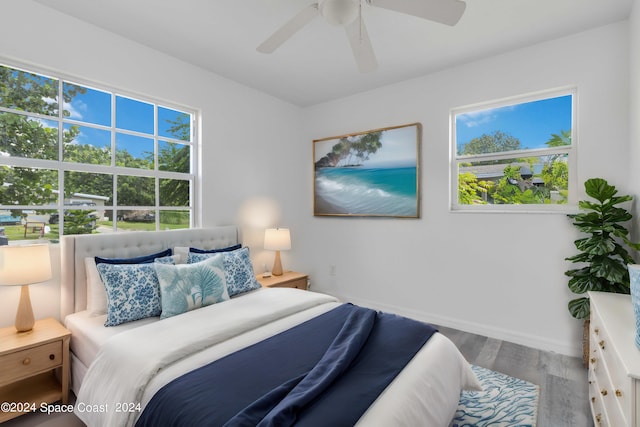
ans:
(94, 107)
(532, 123)
(399, 149)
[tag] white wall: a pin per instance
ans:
(497, 274)
(634, 113)
(244, 132)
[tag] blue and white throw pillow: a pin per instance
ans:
(238, 270)
(185, 287)
(133, 292)
(171, 259)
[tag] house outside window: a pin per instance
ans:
(515, 155)
(76, 158)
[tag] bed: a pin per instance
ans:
(121, 373)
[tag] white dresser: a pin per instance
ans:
(614, 362)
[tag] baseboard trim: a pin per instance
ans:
(527, 340)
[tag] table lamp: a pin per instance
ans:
(277, 239)
(24, 265)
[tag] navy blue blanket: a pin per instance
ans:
(326, 371)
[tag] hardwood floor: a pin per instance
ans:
(563, 383)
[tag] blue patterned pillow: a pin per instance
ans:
(238, 270)
(185, 287)
(133, 292)
(171, 259)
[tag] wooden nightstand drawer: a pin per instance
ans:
(289, 279)
(297, 283)
(34, 366)
(29, 362)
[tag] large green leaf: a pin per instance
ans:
(590, 206)
(581, 284)
(635, 246)
(619, 230)
(623, 254)
(581, 257)
(599, 189)
(591, 228)
(579, 308)
(616, 215)
(611, 269)
(578, 272)
(596, 245)
(616, 201)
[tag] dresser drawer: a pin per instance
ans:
(615, 384)
(595, 400)
(23, 363)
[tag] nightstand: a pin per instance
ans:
(28, 365)
(289, 279)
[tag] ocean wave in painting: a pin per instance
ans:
(362, 191)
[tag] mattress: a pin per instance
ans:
(88, 333)
(433, 379)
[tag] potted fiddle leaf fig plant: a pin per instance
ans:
(603, 256)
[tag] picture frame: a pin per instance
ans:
(375, 173)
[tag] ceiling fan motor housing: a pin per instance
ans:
(339, 12)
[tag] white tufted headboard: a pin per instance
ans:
(75, 248)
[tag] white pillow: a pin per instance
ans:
(96, 293)
(180, 253)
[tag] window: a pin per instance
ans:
(82, 159)
(518, 154)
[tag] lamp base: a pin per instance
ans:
(24, 315)
(277, 265)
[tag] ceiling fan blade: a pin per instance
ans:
(446, 12)
(289, 29)
(361, 46)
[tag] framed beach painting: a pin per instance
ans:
(372, 173)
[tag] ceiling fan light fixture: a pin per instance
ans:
(339, 12)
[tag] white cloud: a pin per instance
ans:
(482, 117)
(75, 109)
(477, 118)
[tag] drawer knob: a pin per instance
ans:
(26, 361)
(52, 357)
(603, 392)
(596, 331)
(599, 418)
(601, 344)
(593, 360)
(593, 400)
(618, 393)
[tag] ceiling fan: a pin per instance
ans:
(348, 13)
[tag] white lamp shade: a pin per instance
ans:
(24, 265)
(277, 239)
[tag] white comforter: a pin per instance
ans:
(133, 365)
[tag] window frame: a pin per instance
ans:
(570, 150)
(62, 166)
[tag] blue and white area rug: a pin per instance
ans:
(504, 402)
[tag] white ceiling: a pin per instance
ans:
(316, 64)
